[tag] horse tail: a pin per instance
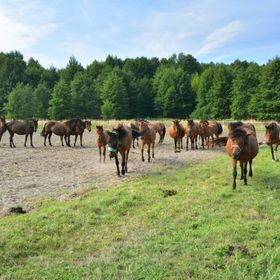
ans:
(43, 132)
(163, 132)
(220, 128)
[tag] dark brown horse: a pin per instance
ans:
(102, 139)
(177, 132)
(272, 137)
(26, 128)
(77, 128)
(3, 127)
(242, 146)
(134, 124)
(62, 129)
(120, 140)
(148, 137)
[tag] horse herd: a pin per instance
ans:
(241, 142)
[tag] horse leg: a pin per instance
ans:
(11, 140)
(126, 160)
(45, 138)
(117, 164)
(142, 152)
(76, 136)
(250, 168)
(272, 152)
(26, 136)
(195, 140)
(181, 141)
(67, 140)
(50, 135)
(175, 144)
(187, 143)
(275, 153)
(241, 169)
(153, 150)
(61, 139)
(31, 140)
(234, 173)
(149, 152)
(202, 142)
(133, 146)
(123, 163)
(245, 172)
(99, 148)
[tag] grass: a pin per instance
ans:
(205, 231)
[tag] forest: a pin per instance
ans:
(175, 87)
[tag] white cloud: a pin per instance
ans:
(219, 37)
(23, 24)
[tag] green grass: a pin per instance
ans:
(205, 231)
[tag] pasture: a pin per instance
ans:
(136, 231)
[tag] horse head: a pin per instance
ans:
(88, 125)
(271, 133)
(239, 140)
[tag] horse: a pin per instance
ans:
(134, 125)
(191, 131)
(120, 140)
(27, 127)
(272, 137)
(242, 146)
(238, 124)
(62, 129)
(159, 128)
(177, 132)
(78, 128)
(102, 139)
(207, 131)
(3, 127)
(148, 137)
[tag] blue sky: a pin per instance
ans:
(211, 30)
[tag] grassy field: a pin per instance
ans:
(132, 231)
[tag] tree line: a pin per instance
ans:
(174, 87)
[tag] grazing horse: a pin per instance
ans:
(148, 137)
(177, 132)
(78, 128)
(102, 139)
(192, 131)
(272, 137)
(159, 128)
(26, 128)
(3, 127)
(62, 129)
(242, 146)
(120, 140)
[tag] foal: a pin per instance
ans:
(102, 139)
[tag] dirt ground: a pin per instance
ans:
(31, 174)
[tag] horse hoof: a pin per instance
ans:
(143, 159)
(123, 172)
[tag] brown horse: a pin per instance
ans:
(192, 131)
(102, 139)
(26, 128)
(177, 132)
(3, 127)
(120, 140)
(242, 146)
(159, 128)
(272, 137)
(78, 128)
(134, 124)
(238, 124)
(148, 137)
(62, 129)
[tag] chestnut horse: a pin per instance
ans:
(272, 137)
(242, 146)
(148, 137)
(22, 128)
(207, 131)
(102, 139)
(192, 131)
(177, 132)
(120, 140)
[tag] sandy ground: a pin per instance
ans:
(31, 174)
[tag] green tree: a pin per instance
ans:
(60, 102)
(42, 94)
(114, 92)
(33, 72)
(72, 68)
(265, 104)
(173, 94)
(21, 103)
(85, 99)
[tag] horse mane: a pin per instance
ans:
(190, 122)
(238, 133)
(234, 125)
